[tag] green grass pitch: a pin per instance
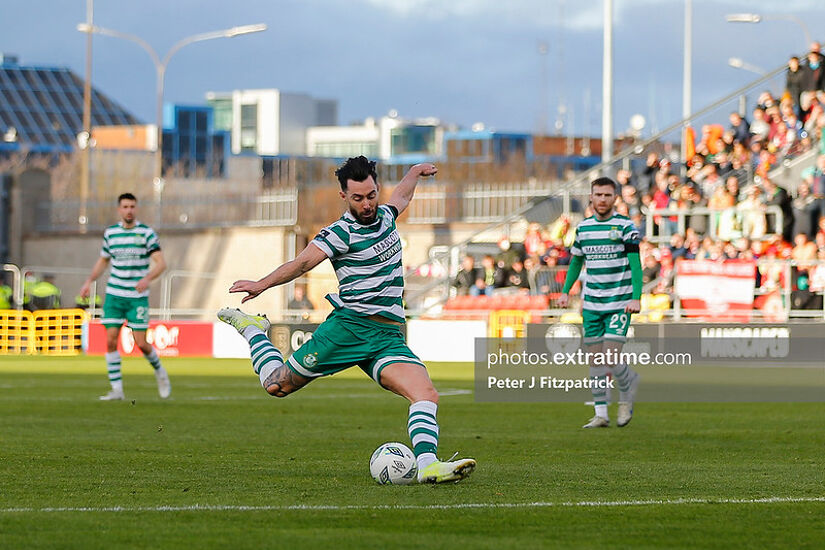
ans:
(222, 465)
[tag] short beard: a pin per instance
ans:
(596, 211)
(361, 220)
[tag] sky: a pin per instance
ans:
(462, 61)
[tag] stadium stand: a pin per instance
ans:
(722, 205)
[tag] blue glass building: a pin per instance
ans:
(192, 147)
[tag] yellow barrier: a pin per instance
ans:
(655, 306)
(47, 331)
(509, 323)
(58, 331)
(16, 332)
(509, 328)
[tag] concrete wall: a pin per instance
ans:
(231, 254)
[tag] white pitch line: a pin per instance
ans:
(257, 396)
(370, 395)
(478, 505)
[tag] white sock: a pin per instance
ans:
(153, 359)
(623, 375)
(266, 370)
(251, 331)
(113, 367)
(599, 374)
(423, 429)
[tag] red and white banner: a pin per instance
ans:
(170, 338)
(716, 290)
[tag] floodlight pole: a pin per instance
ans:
(86, 142)
(607, 83)
(687, 81)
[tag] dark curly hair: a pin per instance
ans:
(356, 169)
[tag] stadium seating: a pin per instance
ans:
(490, 303)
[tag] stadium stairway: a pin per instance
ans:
(789, 172)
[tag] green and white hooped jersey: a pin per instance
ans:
(129, 251)
(367, 262)
(607, 283)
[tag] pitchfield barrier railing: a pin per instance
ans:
(773, 283)
(738, 218)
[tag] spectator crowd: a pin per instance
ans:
(724, 207)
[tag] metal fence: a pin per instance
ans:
(728, 224)
(485, 203)
(778, 280)
(274, 208)
(439, 202)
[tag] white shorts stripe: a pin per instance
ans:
(391, 359)
(301, 370)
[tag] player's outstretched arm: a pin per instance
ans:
(97, 271)
(404, 191)
(303, 262)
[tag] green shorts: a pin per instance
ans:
(346, 339)
(117, 309)
(605, 325)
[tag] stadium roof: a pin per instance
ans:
(42, 107)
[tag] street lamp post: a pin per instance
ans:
(687, 83)
(85, 137)
(607, 83)
(739, 63)
(757, 18)
(160, 68)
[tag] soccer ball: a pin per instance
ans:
(393, 464)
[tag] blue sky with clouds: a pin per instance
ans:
(463, 61)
